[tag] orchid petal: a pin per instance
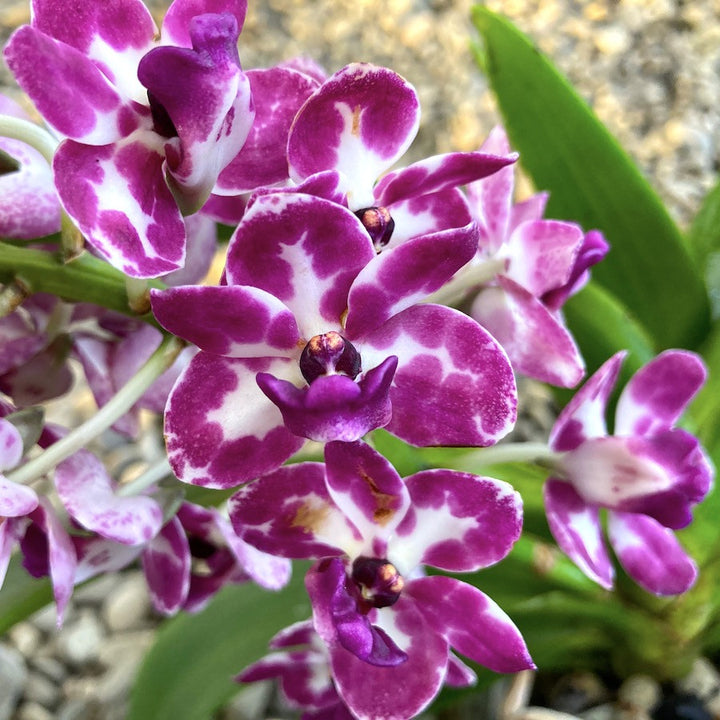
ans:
(472, 623)
(436, 173)
(118, 197)
(541, 254)
(212, 114)
(537, 343)
(651, 554)
(201, 232)
(367, 489)
(456, 521)
(454, 384)
(584, 416)
(657, 394)
(166, 563)
(288, 246)
(114, 34)
(11, 446)
(290, 513)
(176, 23)
(278, 93)
(86, 491)
(50, 72)
(459, 674)
(575, 525)
(98, 556)
(220, 429)
(359, 122)
(16, 500)
(402, 276)
(228, 320)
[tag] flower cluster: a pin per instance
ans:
(354, 296)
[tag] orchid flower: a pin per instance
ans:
(648, 475)
(357, 124)
(141, 146)
(29, 205)
(307, 340)
(525, 268)
(387, 627)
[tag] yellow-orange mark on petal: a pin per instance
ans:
(355, 129)
(384, 509)
(310, 516)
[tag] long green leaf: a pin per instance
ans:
(591, 180)
(21, 595)
(189, 671)
(704, 240)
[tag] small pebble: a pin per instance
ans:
(128, 606)
(25, 637)
(41, 690)
(79, 643)
(33, 711)
(13, 676)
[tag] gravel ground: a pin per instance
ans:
(648, 67)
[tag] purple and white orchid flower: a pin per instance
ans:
(309, 339)
(387, 627)
(525, 269)
(648, 475)
(357, 124)
(148, 128)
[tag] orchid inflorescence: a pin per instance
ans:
(354, 296)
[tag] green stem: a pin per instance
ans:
(535, 453)
(150, 477)
(29, 133)
(158, 362)
(86, 279)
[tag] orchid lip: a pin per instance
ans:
(329, 354)
(379, 224)
(378, 580)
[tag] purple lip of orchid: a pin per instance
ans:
(648, 475)
(379, 224)
(378, 581)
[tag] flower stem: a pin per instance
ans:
(158, 362)
(536, 453)
(469, 277)
(146, 480)
(29, 133)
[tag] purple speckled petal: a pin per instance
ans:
(220, 429)
(491, 198)
(11, 531)
(299, 633)
(290, 513)
(29, 207)
(651, 554)
(360, 121)
(288, 246)
(114, 34)
(304, 677)
(366, 487)
(454, 384)
(118, 197)
(15, 500)
(536, 341)
(575, 525)
(404, 275)
(456, 521)
(61, 557)
(20, 338)
(50, 72)
(176, 24)
(437, 173)
(201, 232)
(593, 249)
(11, 446)
(86, 491)
(339, 621)
(541, 254)
(226, 210)
(228, 320)
(528, 210)
(268, 571)
(98, 556)
(278, 93)
(472, 623)
(584, 416)
(208, 101)
(459, 674)
(166, 563)
(334, 407)
(656, 395)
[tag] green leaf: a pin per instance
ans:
(21, 595)
(704, 240)
(591, 180)
(189, 671)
